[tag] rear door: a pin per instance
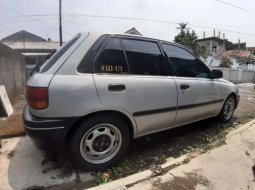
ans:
(136, 80)
(199, 96)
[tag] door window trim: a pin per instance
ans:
(146, 40)
(100, 51)
(189, 51)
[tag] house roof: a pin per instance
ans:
(22, 36)
(44, 46)
(235, 53)
(211, 38)
(133, 31)
(251, 48)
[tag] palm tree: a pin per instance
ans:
(182, 26)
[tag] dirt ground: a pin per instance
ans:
(13, 126)
(149, 151)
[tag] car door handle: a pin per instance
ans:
(116, 87)
(184, 87)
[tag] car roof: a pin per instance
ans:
(139, 37)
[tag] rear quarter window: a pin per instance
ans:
(86, 65)
(48, 64)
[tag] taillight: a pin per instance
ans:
(37, 97)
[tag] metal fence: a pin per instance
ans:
(237, 75)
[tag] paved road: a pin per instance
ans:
(231, 166)
(23, 166)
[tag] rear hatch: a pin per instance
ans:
(41, 76)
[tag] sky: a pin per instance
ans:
(159, 18)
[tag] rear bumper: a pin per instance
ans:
(47, 133)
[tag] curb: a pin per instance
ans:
(245, 126)
(138, 177)
(171, 163)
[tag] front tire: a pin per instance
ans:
(228, 109)
(99, 142)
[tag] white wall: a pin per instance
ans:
(214, 62)
(237, 75)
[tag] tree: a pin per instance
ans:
(226, 62)
(182, 26)
(189, 39)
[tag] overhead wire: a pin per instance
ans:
(32, 18)
(132, 18)
(87, 15)
(236, 6)
(160, 21)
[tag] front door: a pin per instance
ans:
(198, 95)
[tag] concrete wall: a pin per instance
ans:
(237, 63)
(209, 46)
(237, 75)
(12, 72)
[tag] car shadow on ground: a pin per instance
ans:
(30, 168)
(152, 150)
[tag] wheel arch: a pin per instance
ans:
(131, 123)
(235, 96)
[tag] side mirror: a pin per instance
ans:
(215, 74)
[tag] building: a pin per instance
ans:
(240, 59)
(33, 47)
(252, 50)
(133, 31)
(220, 48)
(216, 45)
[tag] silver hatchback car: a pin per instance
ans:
(99, 91)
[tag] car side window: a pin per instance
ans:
(144, 57)
(184, 64)
(111, 58)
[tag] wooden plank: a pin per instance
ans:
(5, 105)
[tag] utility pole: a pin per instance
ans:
(60, 23)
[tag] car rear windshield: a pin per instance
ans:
(49, 60)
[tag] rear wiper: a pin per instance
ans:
(38, 65)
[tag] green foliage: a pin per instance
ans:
(225, 62)
(189, 39)
(113, 172)
(103, 177)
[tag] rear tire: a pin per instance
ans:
(99, 142)
(228, 109)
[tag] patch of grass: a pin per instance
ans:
(246, 118)
(113, 173)
(102, 177)
(162, 157)
(211, 141)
